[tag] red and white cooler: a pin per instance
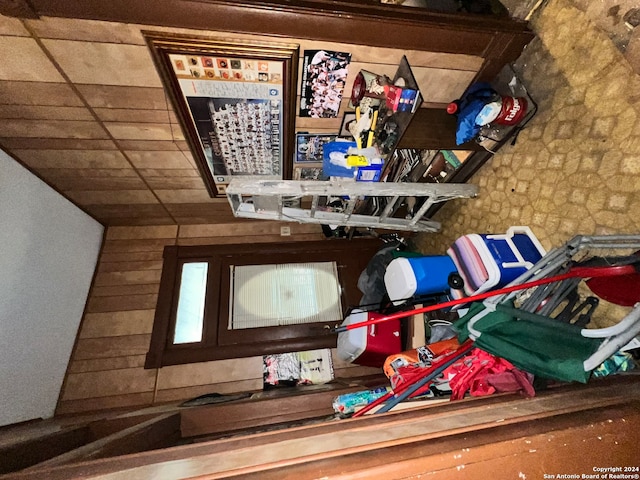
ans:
(371, 345)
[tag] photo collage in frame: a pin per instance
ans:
(324, 77)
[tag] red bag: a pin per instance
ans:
(481, 373)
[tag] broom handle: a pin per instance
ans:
(584, 272)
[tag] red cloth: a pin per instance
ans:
(481, 373)
(478, 373)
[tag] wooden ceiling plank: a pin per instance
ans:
(122, 303)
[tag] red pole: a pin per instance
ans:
(585, 272)
(438, 362)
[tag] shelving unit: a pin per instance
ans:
(433, 130)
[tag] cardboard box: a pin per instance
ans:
(400, 99)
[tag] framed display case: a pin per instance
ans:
(235, 102)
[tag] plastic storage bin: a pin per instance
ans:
(415, 276)
(369, 346)
(486, 262)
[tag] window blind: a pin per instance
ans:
(284, 294)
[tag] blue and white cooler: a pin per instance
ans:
(407, 277)
(487, 262)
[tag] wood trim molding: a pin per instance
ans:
(31, 452)
(405, 28)
(157, 432)
(283, 406)
(532, 447)
(162, 317)
(604, 414)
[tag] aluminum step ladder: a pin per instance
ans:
(346, 203)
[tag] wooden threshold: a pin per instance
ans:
(159, 431)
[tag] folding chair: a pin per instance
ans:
(531, 340)
(544, 346)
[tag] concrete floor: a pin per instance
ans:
(575, 168)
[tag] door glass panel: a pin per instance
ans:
(193, 288)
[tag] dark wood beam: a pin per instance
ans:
(333, 21)
(17, 8)
(33, 451)
(157, 432)
(252, 413)
(402, 444)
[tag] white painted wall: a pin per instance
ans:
(48, 253)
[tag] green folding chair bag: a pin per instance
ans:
(536, 344)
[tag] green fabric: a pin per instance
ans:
(533, 343)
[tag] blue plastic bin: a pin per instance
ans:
(417, 276)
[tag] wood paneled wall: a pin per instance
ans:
(82, 106)
(106, 369)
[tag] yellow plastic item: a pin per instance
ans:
(372, 128)
(370, 138)
(357, 161)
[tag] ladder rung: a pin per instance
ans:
(349, 210)
(314, 205)
(423, 209)
(387, 210)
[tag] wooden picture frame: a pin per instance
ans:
(235, 102)
(347, 118)
(309, 147)
(311, 171)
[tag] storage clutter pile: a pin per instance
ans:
(517, 318)
(311, 367)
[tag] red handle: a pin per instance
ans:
(584, 272)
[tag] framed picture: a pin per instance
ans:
(308, 172)
(347, 119)
(235, 102)
(309, 147)
(324, 76)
